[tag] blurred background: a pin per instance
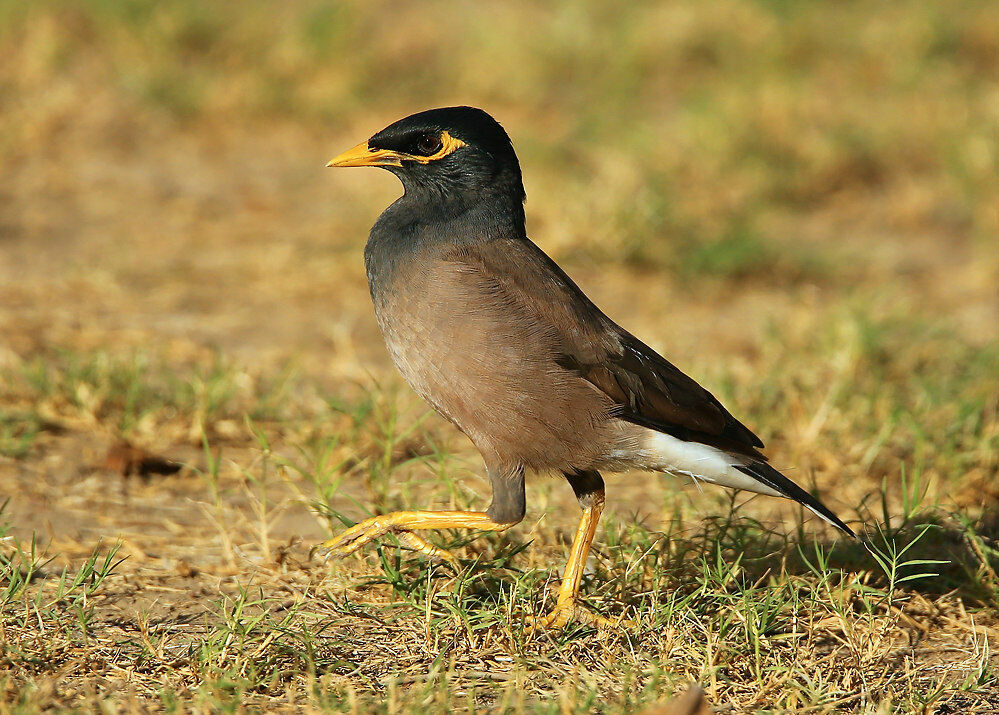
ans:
(796, 202)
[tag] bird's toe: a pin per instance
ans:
(354, 538)
(416, 542)
(371, 529)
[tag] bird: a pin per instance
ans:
(493, 334)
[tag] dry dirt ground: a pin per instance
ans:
(193, 384)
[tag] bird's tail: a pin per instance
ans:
(778, 482)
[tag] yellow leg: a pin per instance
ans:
(566, 607)
(405, 523)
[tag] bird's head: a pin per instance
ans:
(450, 152)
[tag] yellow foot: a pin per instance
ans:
(370, 529)
(571, 611)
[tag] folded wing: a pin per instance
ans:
(646, 388)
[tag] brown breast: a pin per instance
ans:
(489, 365)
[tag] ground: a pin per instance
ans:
(193, 392)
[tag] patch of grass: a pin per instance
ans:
(749, 612)
(18, 431)
(51, 611)
(738, 254)
(134, 395)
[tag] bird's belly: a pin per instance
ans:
(498, 383)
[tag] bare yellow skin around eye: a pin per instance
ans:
(361, 155)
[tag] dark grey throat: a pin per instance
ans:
(422, 224)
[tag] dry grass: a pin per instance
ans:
(797, 202)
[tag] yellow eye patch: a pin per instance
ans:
(362, 155)
(448, 145)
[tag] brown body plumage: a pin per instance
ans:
(490, 331)
(471, 338)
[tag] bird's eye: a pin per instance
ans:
(428, 144)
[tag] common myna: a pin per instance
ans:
(492, 333)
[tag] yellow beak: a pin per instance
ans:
(361, 155)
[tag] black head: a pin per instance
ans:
(454, 152)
